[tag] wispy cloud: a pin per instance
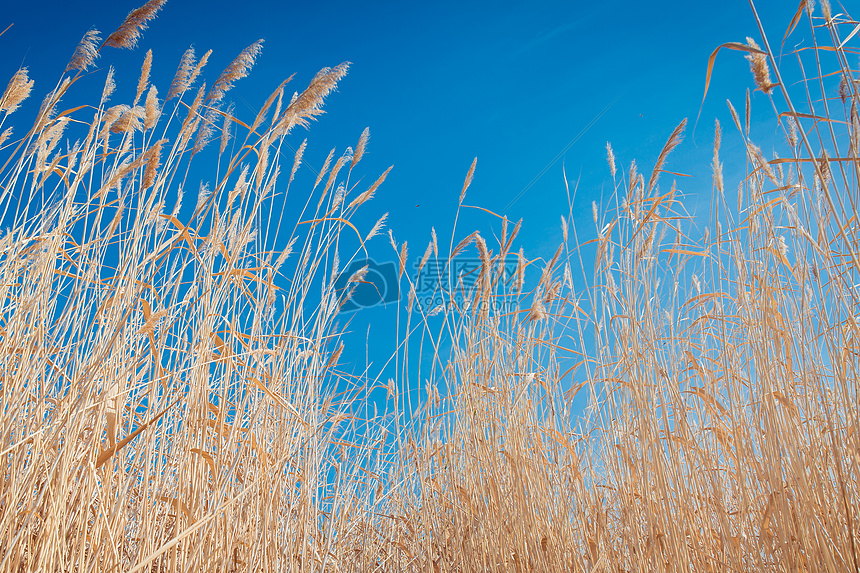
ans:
(547, 35)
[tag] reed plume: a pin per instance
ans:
(128, 34)
(759, 67)
(238, 69)
(143, 81)
(308, 104)
(17, 90)
(86, 52)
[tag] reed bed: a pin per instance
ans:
(171, 392)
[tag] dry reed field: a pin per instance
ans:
(170, 383)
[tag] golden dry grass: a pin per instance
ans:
(167, 381)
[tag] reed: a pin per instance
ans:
(171, 392)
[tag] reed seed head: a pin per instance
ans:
(86, 52)
(128, 34)
(152, 109)
(17, 90)
(143, 81)
(238, 69)
(181, 80)
(759, 67)
(610, 157)
(360, 147)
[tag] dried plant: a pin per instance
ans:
(759, 68)
(308, 104)
(127, 35)
(143, 81)
(182, 79)
(237, 70)
(17, 90)
(178, 396)
(86, 52)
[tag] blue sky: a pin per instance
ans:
(441, 83)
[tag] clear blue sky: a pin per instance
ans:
(442, 82)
